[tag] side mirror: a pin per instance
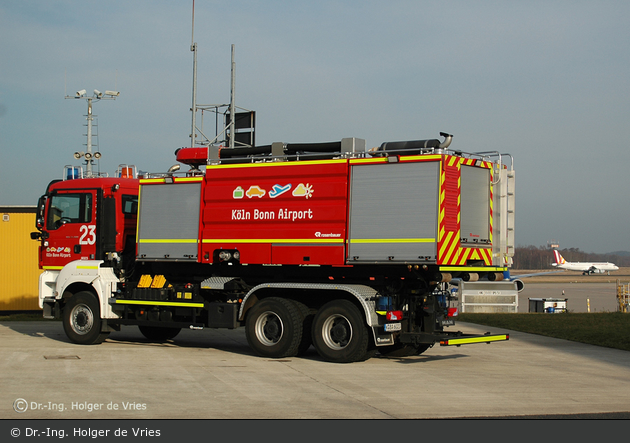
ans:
(39, 235)
(41, 206)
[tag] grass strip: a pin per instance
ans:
(608, 329)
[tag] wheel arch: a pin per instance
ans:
(75, 288)
(88, 275)
(362, 296)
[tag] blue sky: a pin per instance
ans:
(545, 81)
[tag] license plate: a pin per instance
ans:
(389, 327)
(448, 322)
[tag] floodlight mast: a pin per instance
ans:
(98, 95)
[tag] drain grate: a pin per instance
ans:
(62, 357)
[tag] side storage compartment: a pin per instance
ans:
(168, 225)
(393, 212)
(223, 315)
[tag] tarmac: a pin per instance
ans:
(581, 297)
(212, 374)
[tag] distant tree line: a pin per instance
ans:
(541, 257)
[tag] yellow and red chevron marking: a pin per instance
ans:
(467, 254)
(449, 210)
(450, 251)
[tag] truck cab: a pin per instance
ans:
(85, 220)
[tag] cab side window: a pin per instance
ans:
(130, 205)
(69, 208)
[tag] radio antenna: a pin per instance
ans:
(193, 48)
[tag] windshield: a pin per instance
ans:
(69, 208)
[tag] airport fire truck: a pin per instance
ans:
(327, 245)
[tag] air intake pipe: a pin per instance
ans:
(448, 138)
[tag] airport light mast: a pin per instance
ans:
(98, 95)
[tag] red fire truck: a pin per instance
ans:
(326, 244)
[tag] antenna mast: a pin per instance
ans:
(193, 48)
(232, 113)
(246, 124)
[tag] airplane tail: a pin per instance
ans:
(559, 258)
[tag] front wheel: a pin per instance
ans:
(274, 328)
(340, 334)
(82, 319)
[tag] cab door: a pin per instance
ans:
(71, 228)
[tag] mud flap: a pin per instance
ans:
(382, 338)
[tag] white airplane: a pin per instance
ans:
(585, 267)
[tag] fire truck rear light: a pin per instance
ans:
(394, 315)
(224, 255)
(452, 312)
(236, 255)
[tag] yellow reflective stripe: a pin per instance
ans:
(273, 240)
(402, 158)
(168, 240)
(263, 165)
(392, 240)
(158, 303)
(58, 268)
(138, 214)
(418, 157)
(151, 180)
(355, 161)
(145, 181)
(471, 340)
(471, 268)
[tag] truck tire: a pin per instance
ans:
(340, 333)
(82, 319)
(307, 323)
(156, 333)
(274, 328)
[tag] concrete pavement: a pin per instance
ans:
(212, 374)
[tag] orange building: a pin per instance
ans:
(19, 269)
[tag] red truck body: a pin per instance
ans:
(351, 252)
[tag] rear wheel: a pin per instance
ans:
(82, 319)
(157, 333)
(307, 322)
(274, 328)
(340, 334)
